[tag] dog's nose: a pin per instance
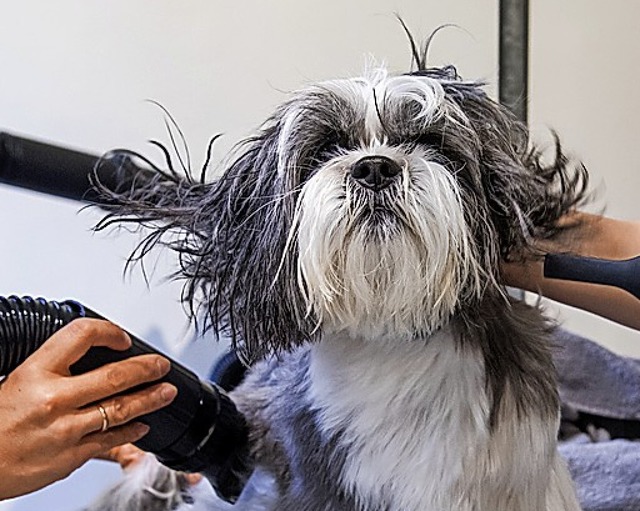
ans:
(375, 172)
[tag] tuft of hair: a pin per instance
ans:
(527, 192)
(420, 53)
(220, 231)
(149, 486)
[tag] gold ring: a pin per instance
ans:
(105, 418)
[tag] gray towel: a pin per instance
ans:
(596, 381)
(607, 474)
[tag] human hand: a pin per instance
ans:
(129, 456)
(50, 422)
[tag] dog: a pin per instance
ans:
(351, 250)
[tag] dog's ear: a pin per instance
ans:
(231, 236)
(525, 193)
(248, 265)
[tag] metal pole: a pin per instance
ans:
(514, 56)
(513, 79)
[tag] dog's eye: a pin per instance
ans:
(327, 149)
(430, 140)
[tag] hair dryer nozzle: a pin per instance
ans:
(623, 274)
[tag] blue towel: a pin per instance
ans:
(595, 381)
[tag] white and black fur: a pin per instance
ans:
(352, 248)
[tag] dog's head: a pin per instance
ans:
(380, 206)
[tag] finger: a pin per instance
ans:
(115, 378)
(72, 341)
(96, 443)
(192, 478)
(122, 409)
(127, 455)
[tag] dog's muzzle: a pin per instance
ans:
(375, 172)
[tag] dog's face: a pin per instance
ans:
(384, 231)
(379, 206)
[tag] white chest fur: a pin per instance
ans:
(415, 417)
(412, 412)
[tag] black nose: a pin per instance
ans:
(375, 172)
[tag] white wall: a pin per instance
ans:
(584, 76)
(77, 73)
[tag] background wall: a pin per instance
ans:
(584, 76)
(77, 73)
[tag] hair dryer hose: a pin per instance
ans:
(200, 431)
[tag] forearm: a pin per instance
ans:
(606, 301)
(594, 236)
(597, 236)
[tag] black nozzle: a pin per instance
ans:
(623, 274)
(64, 172)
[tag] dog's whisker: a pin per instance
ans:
(269, 204)
(288, 246)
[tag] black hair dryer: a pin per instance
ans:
(200, 431)
(623, 274)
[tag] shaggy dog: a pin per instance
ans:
(351, 250)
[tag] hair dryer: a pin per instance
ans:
(200, 431)
(63, 172)
(623, 274)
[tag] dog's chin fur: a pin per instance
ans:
(405, 378)
(384, 264)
